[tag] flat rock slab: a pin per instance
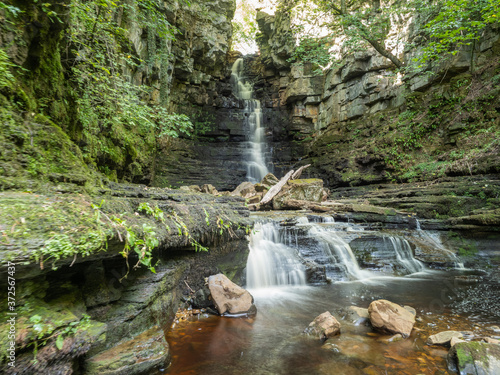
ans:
(230, 298)
(475, 358)
(444, 338)
(390, 317)
(142, 354)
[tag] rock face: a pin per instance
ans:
(324, 326)
(146, 351)
(475, 358)
(119, 309)
(443, 338)
(229, 298)
(390, 317)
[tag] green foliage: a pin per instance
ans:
(347, 26)
(46, 331)
(156, 212)
(314, 51)
(119, 125)
(456, 24)
(6, 77)
(245, 27)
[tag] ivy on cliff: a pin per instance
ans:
(118, 112)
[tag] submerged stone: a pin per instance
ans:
(324, 326)
(443, 338)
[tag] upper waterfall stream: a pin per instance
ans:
(256, 156)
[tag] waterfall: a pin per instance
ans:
(404, 255)
(434, 240)
(256, 163)
(339, 252)
(271, 262)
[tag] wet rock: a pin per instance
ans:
(455, 340)
(310, 190)
(411, 309)
(269, 180)
(357, 315)
(474, 358)
(245, 190)
(201, 299)
(254, 199)
(209, 189)
(324, 326)
(230, 298)
(390, 317)
(145, 352)
(192, 188)
(315, 273)
(395, 338)
(489, 340)
(443, 338)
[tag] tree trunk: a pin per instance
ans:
(276, 188)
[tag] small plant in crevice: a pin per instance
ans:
(44, 332)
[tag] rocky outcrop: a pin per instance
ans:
(229, 298)
(324, 326)
(310, 190)
(390, 317)
(475, 358)
(81, 278)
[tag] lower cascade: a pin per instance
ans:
(283, 254)
(271, 262)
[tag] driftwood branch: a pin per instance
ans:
(299, 171)
(276, 188)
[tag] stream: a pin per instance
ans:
(302, 266)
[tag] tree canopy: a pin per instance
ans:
(445, 26)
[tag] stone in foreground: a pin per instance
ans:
(324, 326)
(390, 317)
(474, 358)
(140, 355)
(230, 298)
(443, 338)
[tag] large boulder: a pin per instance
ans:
(474, 358)
(443, 338)
(230, 298)
(209, 189)
(324, 326)
(245, 189)
(390, 317)
(310, 190)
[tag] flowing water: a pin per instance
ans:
(273, 342)
(256, 156)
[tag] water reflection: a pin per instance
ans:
(273, 343)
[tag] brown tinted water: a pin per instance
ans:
(273, 342)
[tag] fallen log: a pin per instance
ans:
(276, 188)
(299, 171)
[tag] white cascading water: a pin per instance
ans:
(256, 163)
(435, 241)
(339, 252)
(404, 255)
(270, 262)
